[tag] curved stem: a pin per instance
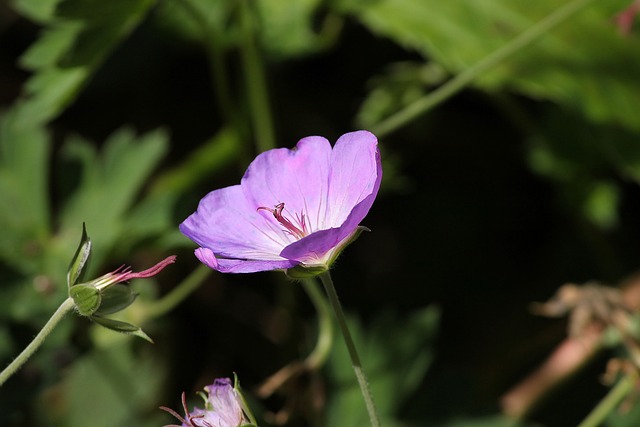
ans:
(610, 402)
(17, 363)
(322, 349)
(467, 76)
(318, 356)
(255, 82)
(179, 293)
(215, 57)
(353, 352)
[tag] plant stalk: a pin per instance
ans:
(178, 293)
(610, 402)
(66, 306)
(466, 77)
(353, 352)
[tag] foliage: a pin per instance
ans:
(122, 116)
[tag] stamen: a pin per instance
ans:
(299, 231)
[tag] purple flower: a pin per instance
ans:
(293, 208)
(223, 408)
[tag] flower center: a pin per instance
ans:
(296, 227)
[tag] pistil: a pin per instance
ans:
(298, 231)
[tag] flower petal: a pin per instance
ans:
(226, 224)
(298, 178)
(224, 265)
(207, 257)
(356, 172)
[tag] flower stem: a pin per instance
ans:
(610, 402)
(17, 363)
(325, 326)
(255, 82)
(467, 76)
(179, 293)
(353, 353)
(215, 56)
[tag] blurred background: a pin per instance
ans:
(122, 115)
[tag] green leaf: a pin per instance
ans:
(40, 11)
(202, 20)
(24, 175)
(86, 297)
(52, 45)
(49, 92)
(122, 327)
(584, 63)
(79, 259)
(125, 383)
(286, 28)
(400, 85)
(76, 41)
(111, 180)
(115, 298)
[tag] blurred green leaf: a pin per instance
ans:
(48, 92)
(120, 386)
(75, 42)
(597, 78)
(286, 28)
(111, 180)
(24, 212)
(401, 84)
(53, 44)
(37, 10)
(199, 20)
(395, 352)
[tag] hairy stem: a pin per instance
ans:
(325, 326)
(255, 81)
(353, 352)
(17, 363)
(467, 76)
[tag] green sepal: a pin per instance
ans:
(115, 298)
(79, 261)
(301, 272)
(306, 271)
(86, 298)
(120, 326)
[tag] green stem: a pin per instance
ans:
(467, 76)
(179, 293)
(215, 55)
(610, 402)
(322, 349)
(255, 82)
(17, 363)
(353, 353)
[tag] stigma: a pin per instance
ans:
(296, 227)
